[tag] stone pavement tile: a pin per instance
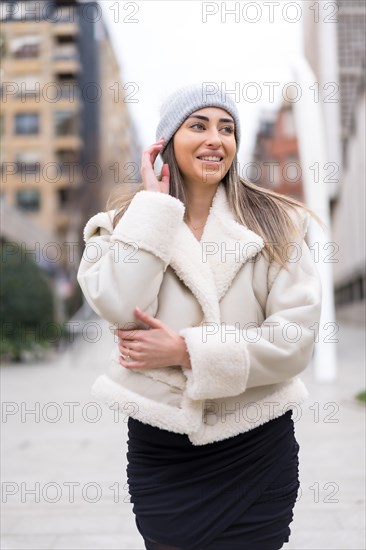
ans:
(71, 542)
(326, 540)
(354, 520)
(26, 542)
(74, 520)
(110, 542)
(308, 520)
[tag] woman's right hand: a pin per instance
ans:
(149, 179)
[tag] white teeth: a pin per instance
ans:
(210, 158)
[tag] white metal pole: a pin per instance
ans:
(310, 131)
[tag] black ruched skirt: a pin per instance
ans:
(234, 494)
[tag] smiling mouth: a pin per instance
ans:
(214, 160)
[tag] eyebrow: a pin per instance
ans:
(207, 119)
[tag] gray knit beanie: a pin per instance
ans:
(184, 101)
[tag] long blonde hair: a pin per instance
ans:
(263, 211)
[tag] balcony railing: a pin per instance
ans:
(66, 52)
(27, 167)
(64, 14)
(28, 51)
(67, 125)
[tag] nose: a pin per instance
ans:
(213, 137)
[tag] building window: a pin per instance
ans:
(65, 14)
(67, 156)
(267, 128)
(65, 48)
(28, 162)
(292, 169)
(274, 172)
(27, 123)
(25, 46)
(288, 124)
(68, 86)
(66, 123)
(68, 162)
(28, 199)
(64, 195)
(27, 86)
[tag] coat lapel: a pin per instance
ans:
(208, 267)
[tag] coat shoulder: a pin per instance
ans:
(98, 224)
(301, 219)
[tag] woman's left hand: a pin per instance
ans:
(158, 347)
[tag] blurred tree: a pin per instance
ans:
(2, 45)
(26, 303)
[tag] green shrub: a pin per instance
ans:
(361, 396)
(26, 302)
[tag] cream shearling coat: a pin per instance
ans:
(248, 325)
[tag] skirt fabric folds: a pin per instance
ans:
(235, 494)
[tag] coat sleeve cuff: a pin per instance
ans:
(151, 221)
(219, 361)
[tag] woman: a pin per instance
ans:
(207, 367)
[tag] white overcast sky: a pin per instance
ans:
(170, 45)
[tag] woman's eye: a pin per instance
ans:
(229, 128)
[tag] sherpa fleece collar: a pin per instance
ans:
(207, 267)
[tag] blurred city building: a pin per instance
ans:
(120, 150)
(335, 49)
(276, 163)
(64, 122)
(334, 46)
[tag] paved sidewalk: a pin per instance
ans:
(45, 456)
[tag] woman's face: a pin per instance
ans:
(208, 132)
